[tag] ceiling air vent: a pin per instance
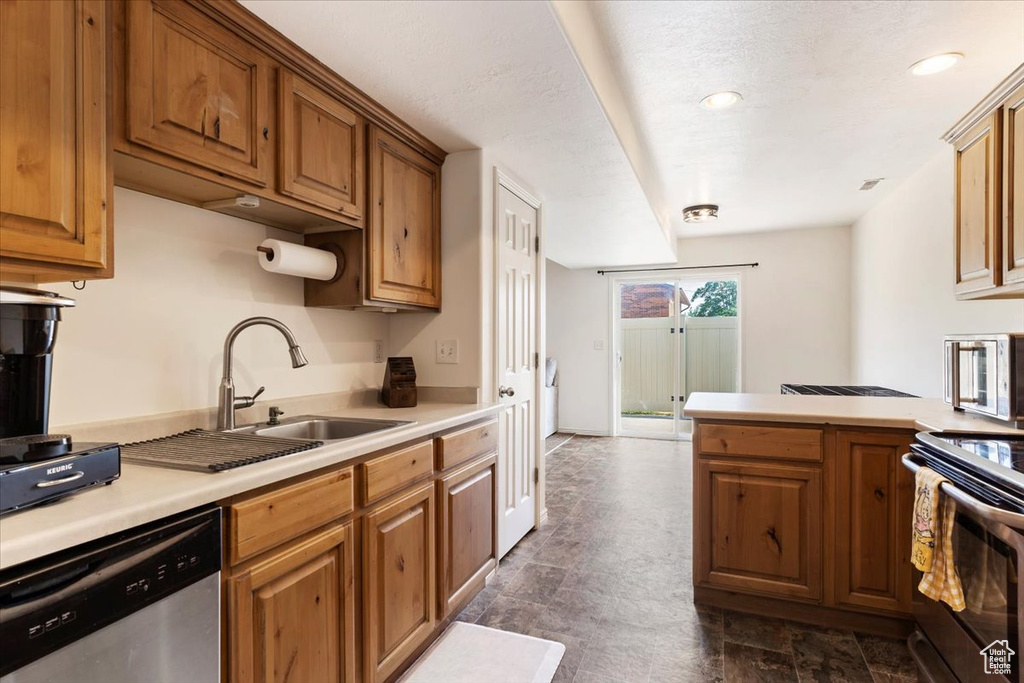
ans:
(870, 184)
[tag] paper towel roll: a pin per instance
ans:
(294, 259)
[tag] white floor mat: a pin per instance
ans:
(467, 653)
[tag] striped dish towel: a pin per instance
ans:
(936, 512)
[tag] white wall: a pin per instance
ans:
(462, 291)
(150, 340)
(794, 314)
(903, 290)
(577, 317)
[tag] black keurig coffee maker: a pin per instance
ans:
(36, 466)
(28, 331)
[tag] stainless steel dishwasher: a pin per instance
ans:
(141, 607)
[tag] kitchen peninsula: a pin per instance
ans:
(802, 507)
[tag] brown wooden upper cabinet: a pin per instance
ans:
(989, 186)
(1013, 187)
(56, 210)
(321, 152)
(196, 91)
(404, 232)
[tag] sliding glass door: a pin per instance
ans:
(672, 337)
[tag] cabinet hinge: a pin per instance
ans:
(536, 244)
(536, 475)
(536, 361)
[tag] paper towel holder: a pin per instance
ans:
(339, 256)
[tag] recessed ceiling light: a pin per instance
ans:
(721, 100)
(700, 213)
(936, 63)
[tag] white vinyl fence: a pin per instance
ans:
(709, 346)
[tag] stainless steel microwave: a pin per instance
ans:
(985, 375)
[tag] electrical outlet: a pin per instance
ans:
(599, 345)
(447, 350)
(378, 351)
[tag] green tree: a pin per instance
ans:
(715, 299)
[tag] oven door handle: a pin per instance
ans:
(1011, 519)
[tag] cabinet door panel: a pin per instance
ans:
(292, 614)
(323, 160)
(468, 539)
(55, 149)
(398, 581)
(1013, 189)
(404, 240)
(196, 91)
(874, 495)
(978, 207)
(763, 528)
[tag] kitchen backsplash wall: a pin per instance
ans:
(150, 340)
(903, 300)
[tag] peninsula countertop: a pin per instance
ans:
(922, 414)
(145, 494)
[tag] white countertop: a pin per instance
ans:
(922, 414)
(145, 494)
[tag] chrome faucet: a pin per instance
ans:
(228, 403)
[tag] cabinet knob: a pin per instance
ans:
(266, 133)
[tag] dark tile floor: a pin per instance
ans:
(609, 576)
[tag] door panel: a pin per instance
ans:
(873, 520)
(516, 360)
(404, 238)
(292, 613)
(978, 207)
(321, 149)
(763, 531)
(398, 581)
(468, 541)
(196, 91)
(1013, 189)
(55, 197)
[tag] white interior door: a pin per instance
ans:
(516, 366)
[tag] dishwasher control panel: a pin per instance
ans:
(52, 602)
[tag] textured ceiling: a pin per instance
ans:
(828, 101)
(827, 98)
(498, 76)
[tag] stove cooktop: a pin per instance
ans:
(843, 390)
(994, 458)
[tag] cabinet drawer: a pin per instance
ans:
(466, 444)
(272, 518)
(392, 472)
(777, 443)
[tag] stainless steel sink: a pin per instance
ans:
(324, 428)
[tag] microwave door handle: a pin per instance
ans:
(1011, 519)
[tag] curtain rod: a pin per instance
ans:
(755, 264)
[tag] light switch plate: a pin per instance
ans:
(599, 345)
(448, 351)
(378, 351)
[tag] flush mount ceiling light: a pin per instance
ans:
(721, 100)
(936, 63)
(700, 213)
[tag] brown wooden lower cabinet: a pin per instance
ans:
(831, 538)
(761, 528)
(398, 580)
(292, 613)
(874, 504)
(468, 533)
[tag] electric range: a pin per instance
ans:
(842, 390)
